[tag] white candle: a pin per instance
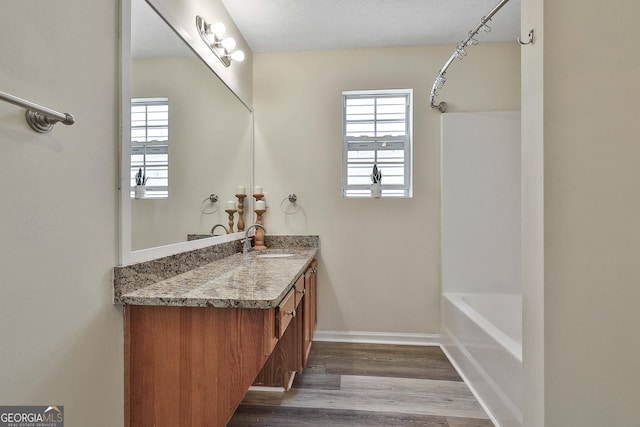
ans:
(260, 205)
(231, 205)
(257, 190)
(241, 189)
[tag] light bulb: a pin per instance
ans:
(238, 56)
(229, 44)
(218, 29)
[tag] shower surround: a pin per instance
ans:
(481, 257)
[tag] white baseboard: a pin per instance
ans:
(378, 337)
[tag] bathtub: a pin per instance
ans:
(482, 336)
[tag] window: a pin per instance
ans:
(150, 144)
(377, 130)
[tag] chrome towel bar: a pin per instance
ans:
(39, 118)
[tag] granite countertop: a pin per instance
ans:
(239, 280)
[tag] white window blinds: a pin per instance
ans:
(377, 130)
(150, 144)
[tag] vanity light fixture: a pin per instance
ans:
(222, 48)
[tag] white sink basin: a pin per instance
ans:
(271, 255)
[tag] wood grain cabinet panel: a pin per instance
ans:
(292, 350)
(283, 361)
(191, 366)
(310, 310)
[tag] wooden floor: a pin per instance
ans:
(368, 385)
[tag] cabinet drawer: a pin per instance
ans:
(300, 290)
(286, 311)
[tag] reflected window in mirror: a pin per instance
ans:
(150, 146)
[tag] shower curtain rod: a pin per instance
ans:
(460, 53)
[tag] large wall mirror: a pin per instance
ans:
(201, 141)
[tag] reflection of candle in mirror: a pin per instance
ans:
(257, 190)
(260, 205)
(241, 189)
(231, 205)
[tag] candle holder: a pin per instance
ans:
(230, 212)
(241, 198)
(259, 236)
(258, 196)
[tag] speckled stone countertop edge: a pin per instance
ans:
(130, 278)
(238, 281)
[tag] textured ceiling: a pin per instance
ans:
(287, 25)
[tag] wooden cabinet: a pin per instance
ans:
(292, 351)
(191, 366)
(284, 361)
(310, 314)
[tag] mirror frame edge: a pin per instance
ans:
(126, 255)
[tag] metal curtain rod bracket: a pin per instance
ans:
(460, 53)
(530, 41)
(39, 118)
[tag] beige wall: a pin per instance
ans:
(533, 216)
(380, 259)
(591, 213)
(61, 336)
(580, 90)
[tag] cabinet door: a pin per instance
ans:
(285, 359)
(310, 311)
(291, 353)
(314, 297)
(191, 366)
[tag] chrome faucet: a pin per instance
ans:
(219, 225)
(246, 243)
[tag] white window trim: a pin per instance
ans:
(407, 188)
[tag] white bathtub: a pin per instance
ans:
(482, 336)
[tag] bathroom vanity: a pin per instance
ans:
(195, 342)
(205, 323)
